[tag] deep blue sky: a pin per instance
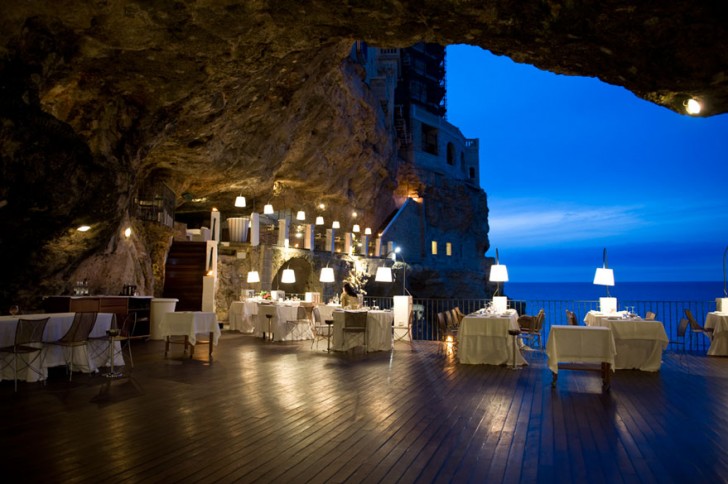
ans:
(572, 165)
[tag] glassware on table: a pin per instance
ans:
(14, 310)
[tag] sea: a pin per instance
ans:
(631, 291)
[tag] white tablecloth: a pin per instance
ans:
(719, 323)
(282, 331)
(190, 324)
(594, 318)
(242, 315)
(84, 359)
(485, 339)
(639, 342)
(580, 344)
(379, 332)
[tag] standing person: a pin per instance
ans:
(349, 297)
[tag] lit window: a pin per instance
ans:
(448, 248)
(434, 247)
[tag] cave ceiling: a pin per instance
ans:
(219, 98)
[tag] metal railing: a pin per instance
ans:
(668, 312)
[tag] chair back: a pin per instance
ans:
(128, 326)
(30, 331)
(691, 320)
(301, 313)
(682, 328)
(571, 318)
(355, 319)
(539, 319)
(83, 324)
(317, 315)
(650, 316)
(441, 323)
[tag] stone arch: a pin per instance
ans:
(303, 270)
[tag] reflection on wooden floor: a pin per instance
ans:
(280, 412)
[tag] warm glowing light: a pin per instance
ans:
(327, 275)
(319, 220)
(322, 206)
(240, 201)
(214, 209)
(253, 277)
(127, 232)
(301, 215)
(367, 231)
(354, 214)
(384, 274)
(210, 273)
(693, 106)
(336, 225)
(356, 228)
(84, 228)
(288, 277)
(268, 209)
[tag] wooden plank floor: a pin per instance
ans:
(280, 412)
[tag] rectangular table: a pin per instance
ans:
(282, 313)
(718, 322)
(581, 344)
(639, 342)
(85, 359)
(484, 339)
(189, 324)
(379, 331)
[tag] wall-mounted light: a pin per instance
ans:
(692, 106)
(127, 232)
(84, 228)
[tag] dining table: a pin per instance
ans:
(483, 338)
(287, 323)
(87, 359)
(190, 324)
(639, 343)
(568, 345)
(379, 331)
(718, 322)
(242, 315)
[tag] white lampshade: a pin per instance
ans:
(498, 273)
(604, 277)
(288, 277)
(319, 220)
(367, 231)
(301, 215)
(240, 201)
(327, 275)
(268, 209)
(253, 276)
(356, 228)
(336, 225)
(384, 274)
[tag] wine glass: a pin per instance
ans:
(14, 310)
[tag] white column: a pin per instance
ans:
(330, 240)
(208, 293)
(211, 256)
(378, 247)
(283, 232)
(308, 241)
(254, 228)
(347, 243)
(365, 245)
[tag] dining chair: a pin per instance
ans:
(402, 330)
(355, 322)
(571, 318)
(301, 321)
(531, 327)
(123, 335)
(76, 337)
(28, 341)
(695, 327)
(321, 330)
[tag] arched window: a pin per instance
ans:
(472, 172)
(450, 154)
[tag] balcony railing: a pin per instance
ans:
(668, 312)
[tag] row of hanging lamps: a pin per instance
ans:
(356, 228)
(240, 201)
(367, 231)
(288, 276)
(336, 225)
(327, 274)
(268, 209)
(319, 220)
(301, 215)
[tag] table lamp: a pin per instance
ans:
(498, 274)
(604, 276)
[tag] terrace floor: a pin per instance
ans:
(281, 412)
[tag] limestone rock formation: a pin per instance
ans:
(216, 98)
